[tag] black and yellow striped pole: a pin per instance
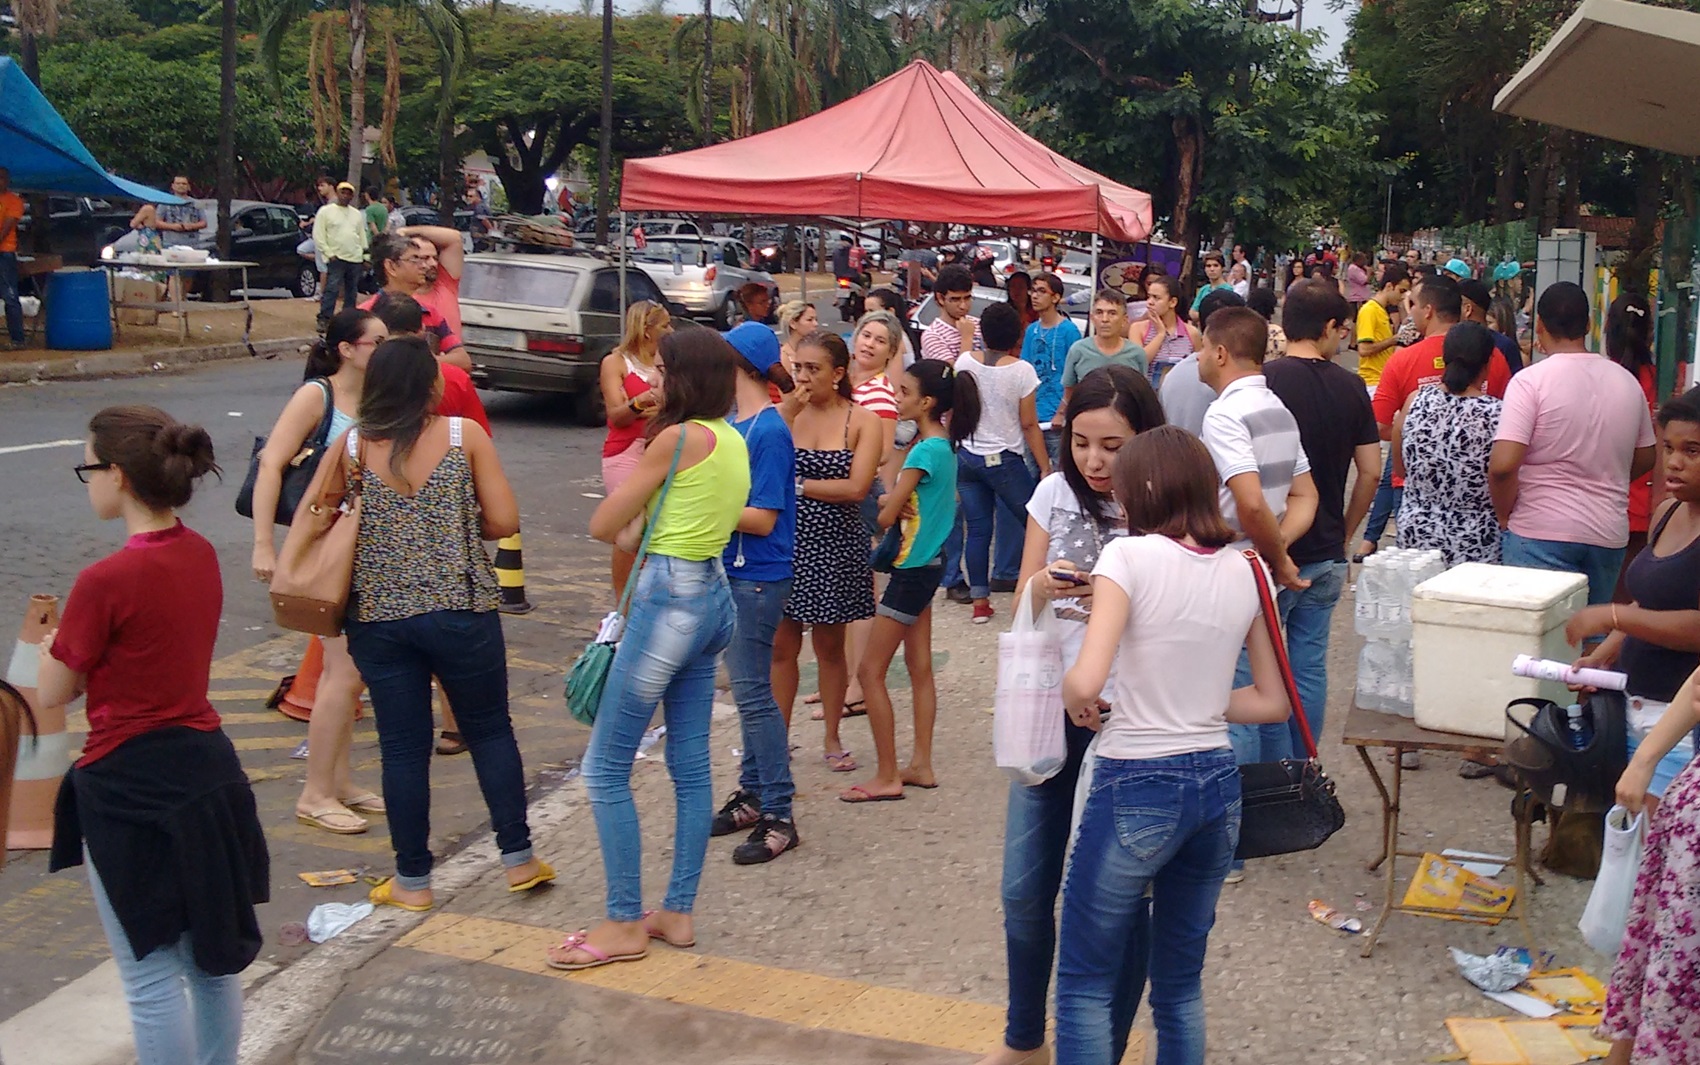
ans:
(510, 575)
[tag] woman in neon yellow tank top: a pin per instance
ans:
(679, 621)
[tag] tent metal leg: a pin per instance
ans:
(622, 239)
(1089, 329)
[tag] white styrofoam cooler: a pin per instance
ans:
(1469, 623)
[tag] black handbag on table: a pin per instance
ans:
(1285, 806)
(297, 475)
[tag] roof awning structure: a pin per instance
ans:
(918, 146)
(43, 155)
(1625, 71)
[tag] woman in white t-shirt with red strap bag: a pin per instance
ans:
(1171, 610)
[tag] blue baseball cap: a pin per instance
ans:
(1457, 267)
(758, 344)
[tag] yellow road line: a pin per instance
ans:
(803, 999)
(280, 743)
(244, 695)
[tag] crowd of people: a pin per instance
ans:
(1137, 483)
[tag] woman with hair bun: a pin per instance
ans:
(336, 371)
(1441, 442)
(157, 807)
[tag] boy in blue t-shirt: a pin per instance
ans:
(758, 568)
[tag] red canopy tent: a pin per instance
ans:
(918, 146)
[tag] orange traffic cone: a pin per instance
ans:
(44, 757)
(14, 722)
(295, 693)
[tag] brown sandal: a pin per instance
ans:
(450, 743)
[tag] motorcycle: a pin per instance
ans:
(852, 296)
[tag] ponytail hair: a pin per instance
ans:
(347, 326)
(161, 457)
(1465, 354)
(952, 393)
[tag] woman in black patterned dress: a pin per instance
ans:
(838, 451)
(1441, 440)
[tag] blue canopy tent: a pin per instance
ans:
(42, 153)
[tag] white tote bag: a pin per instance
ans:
(1028, 719)
(1607, 912)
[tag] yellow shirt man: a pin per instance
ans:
(339, 233)
(1374, 327)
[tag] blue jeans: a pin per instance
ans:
(180, 1015)
(1165, 824)
(983, 489)
(464, 650)
(1053, 448)
(1598, 564)
(9, 296)
(341, 278)
(1385, 504)
(1035, 843)
(1306, 616)
(766, 769)
(679, 622)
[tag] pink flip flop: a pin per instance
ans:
(858, 794)
(840, 762)
(576, 941)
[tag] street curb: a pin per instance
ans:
(97, 365)
(279, 1016)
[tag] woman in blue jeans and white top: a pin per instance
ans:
(1072, 516)
(758, 570)
(1171, 610)
(992, 459)
(423, 604)
(680, 619)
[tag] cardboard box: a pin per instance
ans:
(130, 290)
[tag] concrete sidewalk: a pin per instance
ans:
(880, 939)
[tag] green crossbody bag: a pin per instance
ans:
(589, 674)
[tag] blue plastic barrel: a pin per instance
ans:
(79, 312)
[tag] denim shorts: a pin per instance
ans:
(909, 592)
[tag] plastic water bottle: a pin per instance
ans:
(1368, 596)
(1403, 701)
(1580, 734)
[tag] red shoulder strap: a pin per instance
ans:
(1273, 621)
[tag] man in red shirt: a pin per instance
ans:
(403, 316)
(402, 263)
(1438, 307)
(446, 262)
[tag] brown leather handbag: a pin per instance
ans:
(315, 568)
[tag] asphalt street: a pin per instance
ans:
(48, 928)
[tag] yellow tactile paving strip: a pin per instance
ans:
(806, 1000)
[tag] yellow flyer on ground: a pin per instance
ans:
(1458, 894)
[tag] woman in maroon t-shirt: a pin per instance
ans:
(158, 807)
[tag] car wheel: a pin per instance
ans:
(728, 314)
(588, 408)
(306, 283)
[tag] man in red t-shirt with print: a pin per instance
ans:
(403, 316)
(1437, 309)
(442, 276)
(403, 263)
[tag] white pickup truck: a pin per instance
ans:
(703, 274)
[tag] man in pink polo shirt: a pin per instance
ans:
(1574, 433)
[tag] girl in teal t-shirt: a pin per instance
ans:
(923, 504)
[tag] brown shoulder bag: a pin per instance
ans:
(315, 569)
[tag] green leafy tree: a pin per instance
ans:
(531, 94)
(1224, 118)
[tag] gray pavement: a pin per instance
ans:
(879, 940)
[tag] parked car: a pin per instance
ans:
(1006, 258)
(262, 233)
(542, 323)
(78, 227)
(702, 274)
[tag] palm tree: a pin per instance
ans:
(605, 145)
(36, 18)
(440, 18)
(706, 97)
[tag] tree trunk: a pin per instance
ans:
(356, 91)
(1505, 186)
(1634, 268)
(31, 58)
(220, 279)
(1189, 174)
(707, 72)
(448, 164)
(605, 145)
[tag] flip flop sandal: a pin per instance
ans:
(840, 762)
(577, 941)
(859, 708)
(335, 819)
(450, 743)
(381, 896)
(867, 796)
(369, 803)
(545, 874)
(923, 787)
(653, 934)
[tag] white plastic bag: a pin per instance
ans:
(1028, 720)
(1607, 912)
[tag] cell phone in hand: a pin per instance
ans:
(1074, 577)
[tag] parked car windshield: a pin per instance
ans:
(519, 283)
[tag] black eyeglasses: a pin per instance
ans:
(87, 468)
